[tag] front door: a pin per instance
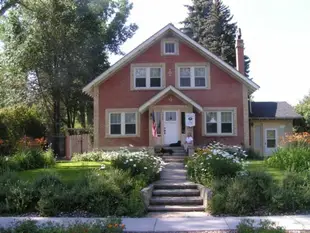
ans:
(270, 140)
(171, 132)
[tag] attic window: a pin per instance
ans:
(170, 47)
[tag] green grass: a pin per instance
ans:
(67, 170)
(259, 165)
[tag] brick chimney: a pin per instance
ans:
(240, 52)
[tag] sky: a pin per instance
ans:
(276, 34)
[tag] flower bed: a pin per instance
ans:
(214, 161)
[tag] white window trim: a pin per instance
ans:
(192, 67)
(123, 123)
(219, 123)
(169, 40)
(148, 66)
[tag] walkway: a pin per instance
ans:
(197, 224)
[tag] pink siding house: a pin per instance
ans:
(144, 99)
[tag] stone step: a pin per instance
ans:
(173, 184)
(176, 192)
(174, 157)
(174, 165)
(170, 176)
(174, 170)
(169, 160)
(175, 208)
(173, 147)
(176, 201)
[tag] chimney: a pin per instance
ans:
(240, 52)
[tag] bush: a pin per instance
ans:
(98, 156)
(106, 226)
(253, 154)
(15, 123)
(294, 193)
(264, 226)
(213, 162)
(241, 195)
(28, 159)
(139, 163)
(294, 156)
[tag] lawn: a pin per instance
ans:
(67, 170)
(258, 165)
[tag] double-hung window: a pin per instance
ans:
(193, 76)
(219, 122)
(147, 77)
(123, 123)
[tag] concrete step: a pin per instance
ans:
(174, 165)
(176, 201)
(171, 176)
(177, 160)
(175, 208)
(174, 184)
(173, 147)
(176, 192)
(174, 157)
(174, 170)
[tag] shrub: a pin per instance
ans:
(16, 122)
(293, 194)
(106, 226)
(243, 194)
(28, 159)
(264, 226)
(98, 156)
(139, 163)
(213, 162)
(253, 154)
(294, 155)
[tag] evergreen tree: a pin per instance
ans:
(209, 23)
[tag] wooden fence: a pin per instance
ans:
(77, 144)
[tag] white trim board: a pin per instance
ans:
(161, 94)
(213, 58)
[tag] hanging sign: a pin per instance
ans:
(190, 119)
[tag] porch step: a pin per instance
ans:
(175, 208)
(176, 192)
(176, 201)
(173, 184)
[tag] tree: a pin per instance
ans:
(303, 108)
(60, 46)
(209, 23)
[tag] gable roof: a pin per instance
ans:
(273, 110)
(146, 44)
(165, 91)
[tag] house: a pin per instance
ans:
(145, 99)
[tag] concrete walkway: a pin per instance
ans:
(295, 223)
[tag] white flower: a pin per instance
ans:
(145, 168)
(185, 166)
(134, 165)
(130, 160)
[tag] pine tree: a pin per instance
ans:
(209, 23)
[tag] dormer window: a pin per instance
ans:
(170, 47)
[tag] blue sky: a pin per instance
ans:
(276, 35)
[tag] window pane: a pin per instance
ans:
(211, 117)
(155, 82)
(271, 134)
(200, 82)
(140, 72)
(170, 47)
(183, 122)
(211, 127)
(130, 118)
(200, 72)
(115, 118)
(155, 72)
(185, 82)
(140, 82)
(226, 117)
(115, 129)
(271, 143)
(185, 72)
(130, 129)
(171, 116)
(226, 127)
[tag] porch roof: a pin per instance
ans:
(163, 93)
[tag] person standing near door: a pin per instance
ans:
(188, 141)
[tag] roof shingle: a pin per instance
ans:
(276, 110)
